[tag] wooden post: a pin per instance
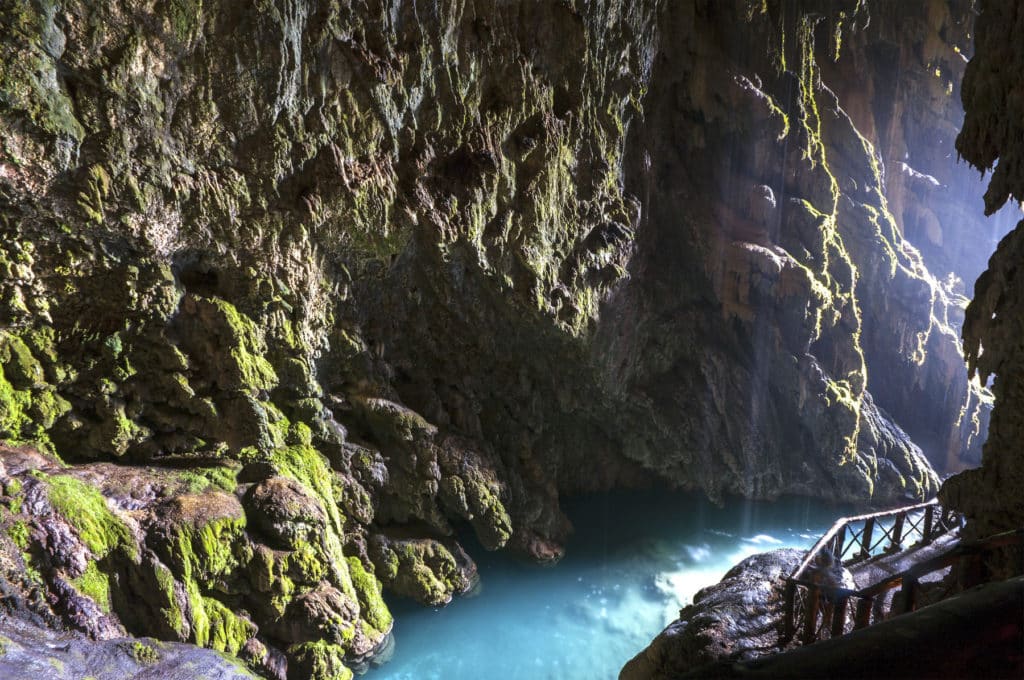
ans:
(788, 624)
(811, 614)
(862, 619)
(897, 533)
(865, 537)
(839, 541)
(839, 617)
(926, 533)
(908, 595)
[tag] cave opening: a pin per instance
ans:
(518, 338)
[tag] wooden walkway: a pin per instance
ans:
(899, 562)
(874, 570)
(880, 549)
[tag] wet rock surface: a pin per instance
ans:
(296, 290)
(36, 651)
(736, 619)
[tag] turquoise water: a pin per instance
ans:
(632, 562)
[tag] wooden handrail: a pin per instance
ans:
(930, 526)
(907, 580)
(842, 523)
(939, 562)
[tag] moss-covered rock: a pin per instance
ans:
(401, 270)
(373, 612)
(320, 660)
(86, 509)
(284, 511)
(425, 570)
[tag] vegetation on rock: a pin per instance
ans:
(295, 294)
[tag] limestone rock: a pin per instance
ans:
(990, 140)
(299, 294)
(31, 650)
(738, 618)
(284, 511)
(426, 570)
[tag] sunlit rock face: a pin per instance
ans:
(298, 288)
(908, 66)
(769, 242)
(991, 140)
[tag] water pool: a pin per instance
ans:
(632, 562)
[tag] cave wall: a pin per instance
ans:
(991, 141)
(298, 288)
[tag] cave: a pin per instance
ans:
(511, 339)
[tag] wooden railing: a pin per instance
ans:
(816, 610)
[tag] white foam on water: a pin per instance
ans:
(763, 539)
(698, 553)
(586, 617)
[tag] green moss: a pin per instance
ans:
(186, 17)
(834, 267)
(139, 197)
(430, 588)
(199, 479)
(225, 631)
(169, 609)
(97, 189)
(28, 74)
(309, 467)
(21, 368)
(45, 408)
(247, 368)
(95, 584)
(113, 345)
(143, 653)
(85, 508)
(201, 550)
(28, 405)
(18, 532)
(493, 524)
(319, 661)
(117, 433)
(371, 604)
(14, 404)
(305, 564)
(205, 552)
(253, 370)
(300, 435)
(12, 490)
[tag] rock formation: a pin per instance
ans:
(734, 619)
(991, 142)
(288, 291)
(36, 651)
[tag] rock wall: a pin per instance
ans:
(294, 289)
(990, 141)
(770, 245)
